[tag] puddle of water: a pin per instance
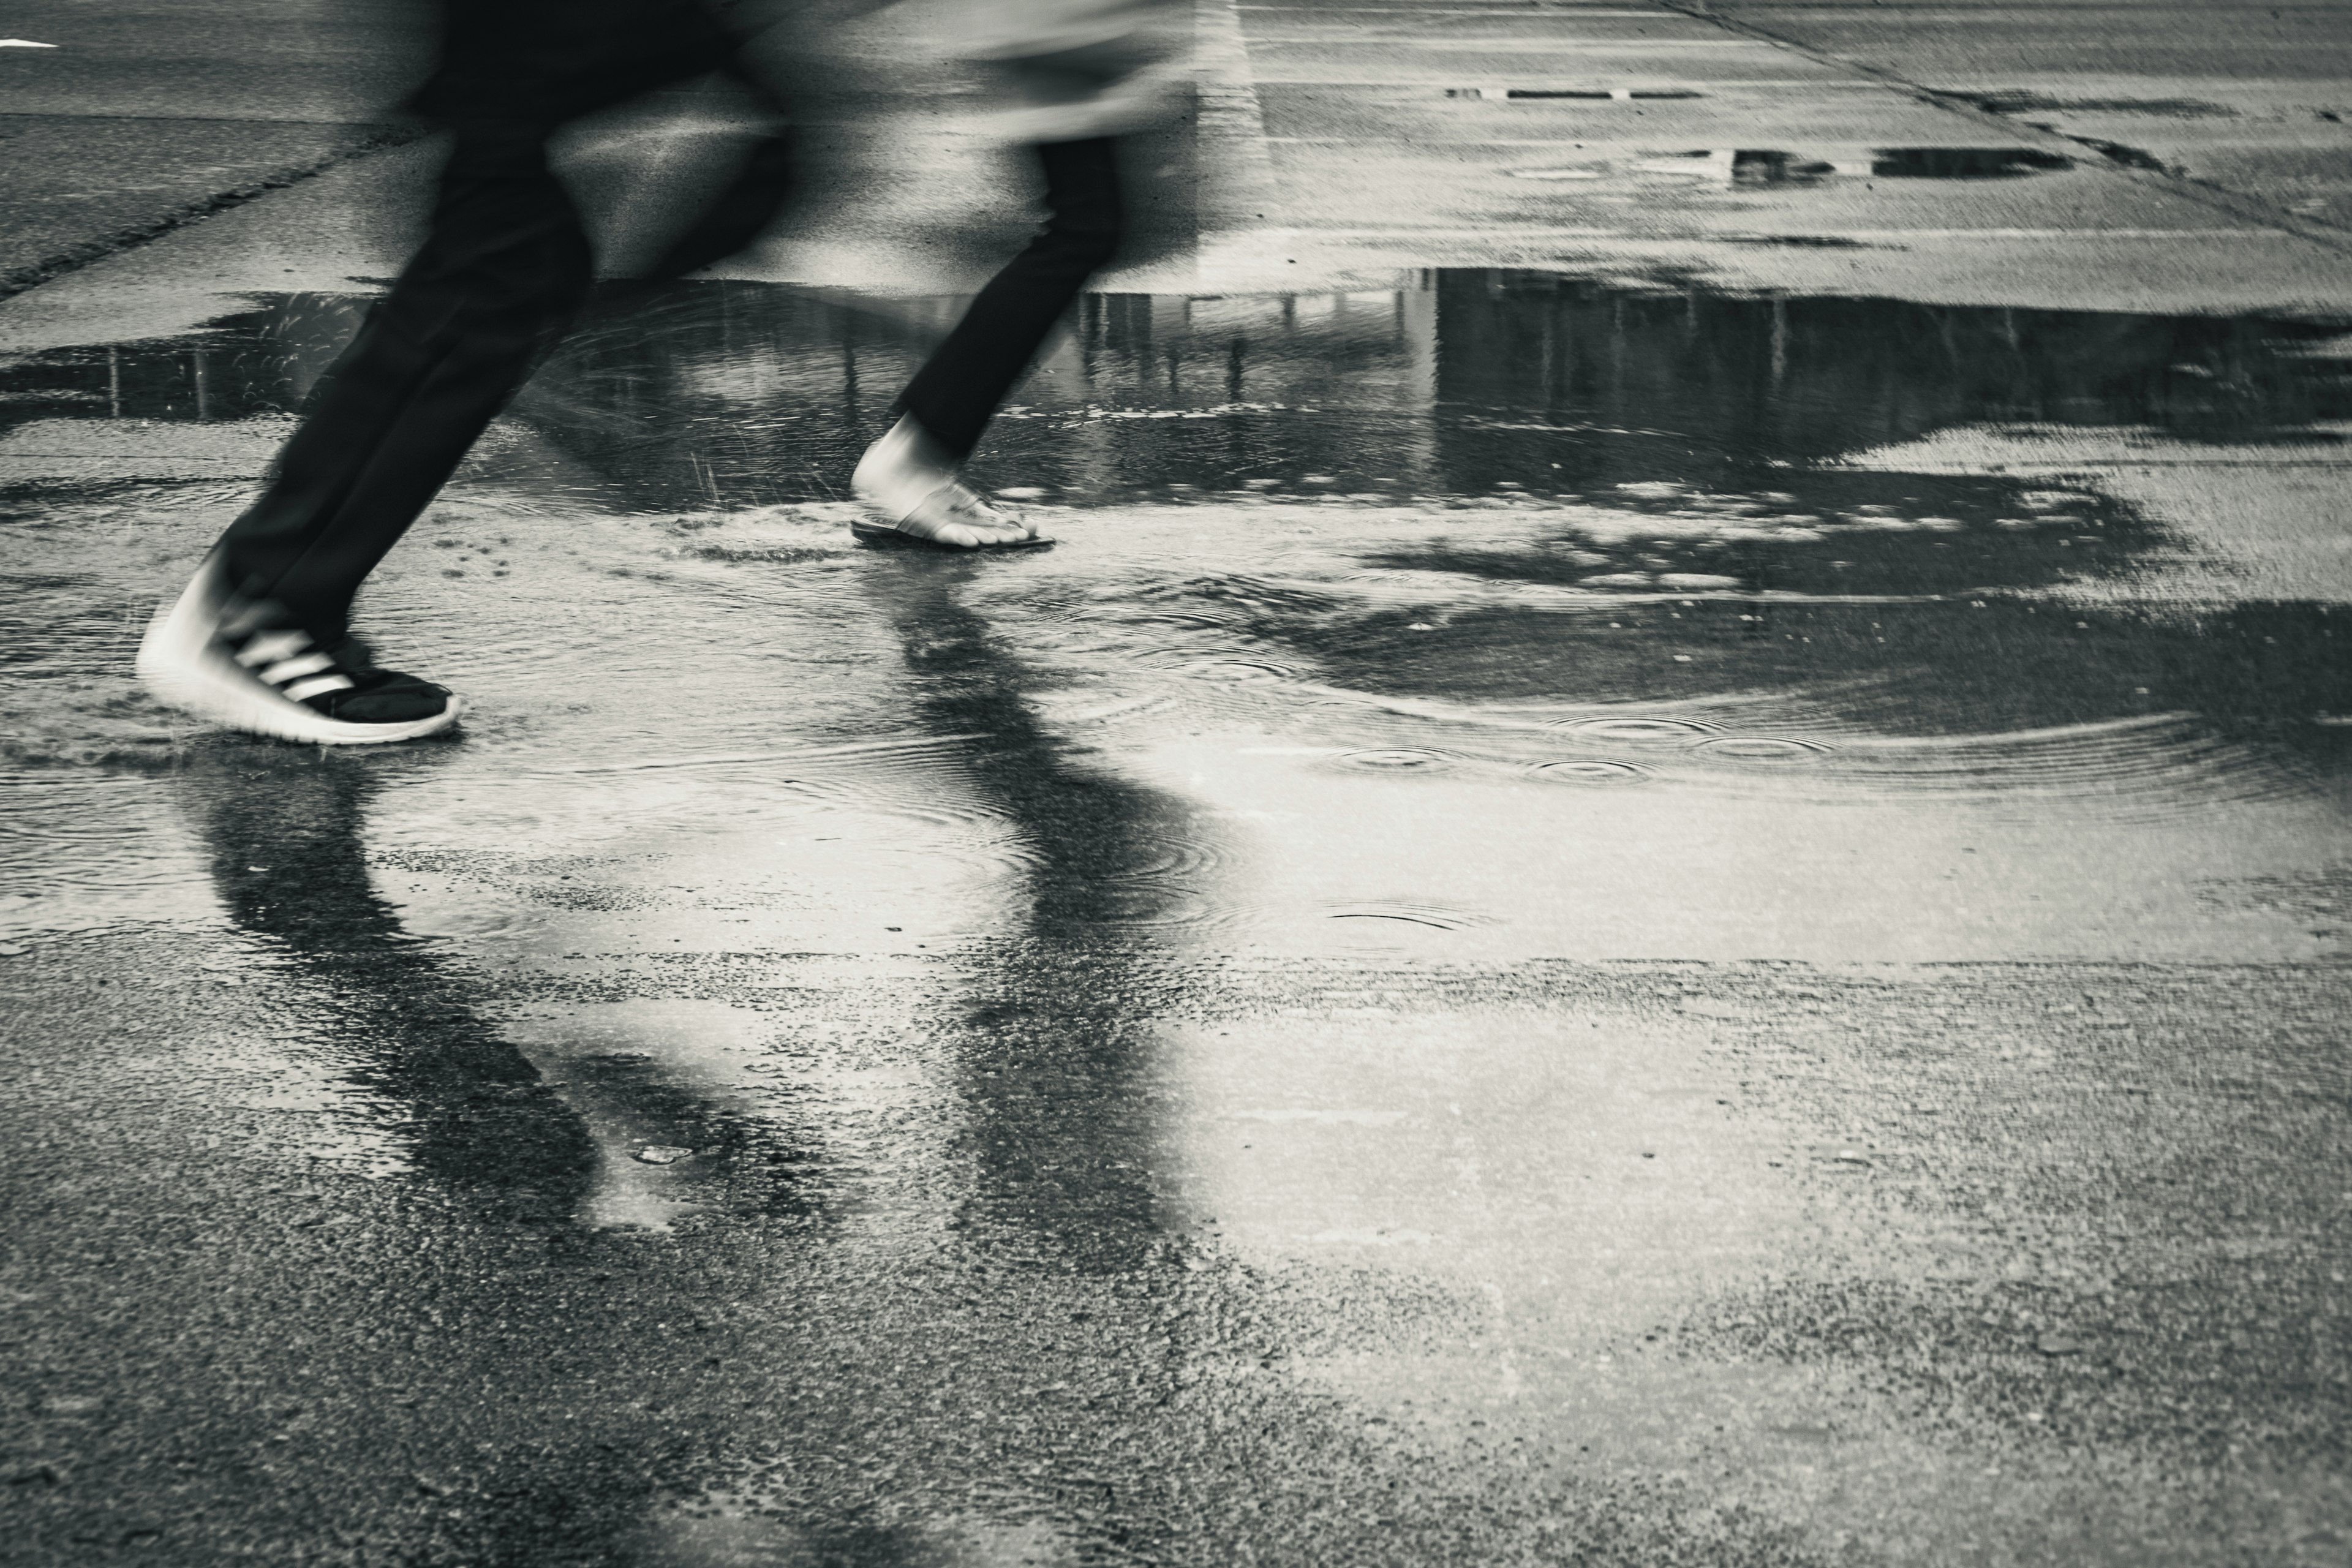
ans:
(1378, 530)
(1754, 168)
(1965, 163)
(1351, 590)
(746, 395)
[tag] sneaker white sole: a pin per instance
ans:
(185, 666)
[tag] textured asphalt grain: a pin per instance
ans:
(222, 1350)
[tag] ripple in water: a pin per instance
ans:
(1762, 749)
(1434, 916)
(1592, 770)
(1396, 759)
(1642, 729)
(2164, 763)
(1187, 620)
(1242, 669)
(1166, 858)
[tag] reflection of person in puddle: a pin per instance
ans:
(292, 868)
(1088, 69)
(290, 865)
(1055, 1066)
(260, 641)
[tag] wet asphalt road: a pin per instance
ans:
(1600, 908)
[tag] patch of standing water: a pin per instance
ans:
(672, 646)
(1590, 772)
(1642, 731)
(1760, 748)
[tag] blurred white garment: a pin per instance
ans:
(1079, 69)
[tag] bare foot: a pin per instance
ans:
(910, 487)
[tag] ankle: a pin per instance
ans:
(908, 444)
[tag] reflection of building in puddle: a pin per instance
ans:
(1636, 384)
(1749, 168)
(732, 394)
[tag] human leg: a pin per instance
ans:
(506, 266)
(959, 387)
(907, 478)
(259, 640)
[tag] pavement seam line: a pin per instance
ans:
(1231, 121)
(2203, 192)
(48, 269)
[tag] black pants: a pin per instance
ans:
(960, 386)
(506, 267)
(503, 271)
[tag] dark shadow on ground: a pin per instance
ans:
(284, 829)
(1057, 1049)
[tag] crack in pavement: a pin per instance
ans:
(129, 236)
(2220, 198)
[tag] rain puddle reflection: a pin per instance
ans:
(963, 1038)
(1422, 553)
(1749, 168)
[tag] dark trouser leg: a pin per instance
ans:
(505, 268)
(958, 390)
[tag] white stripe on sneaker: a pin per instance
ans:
(303, 690)
(269, 648)
(287, 669)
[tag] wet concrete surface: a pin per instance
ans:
(133, 120)
(1328, 148)
(2249, 100)
(1682, 906)
(1568, 924)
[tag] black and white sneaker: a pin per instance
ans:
(239, 667)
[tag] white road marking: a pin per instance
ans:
(1232, 124)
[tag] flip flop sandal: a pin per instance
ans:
(882, 533)
(950, 503)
